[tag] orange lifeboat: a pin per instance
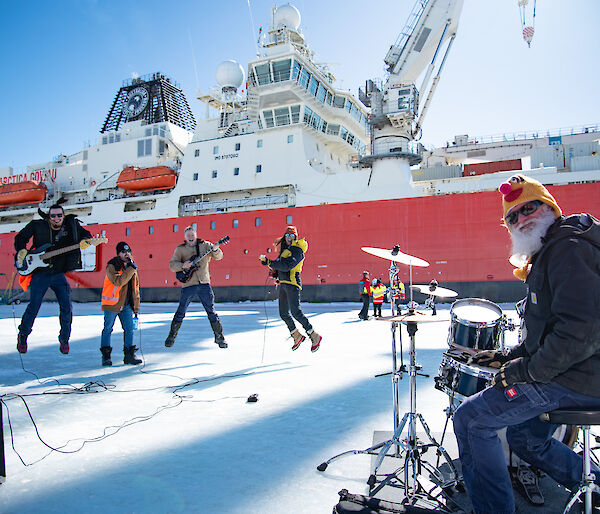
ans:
(136, 179)
(21, 193)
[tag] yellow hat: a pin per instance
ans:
(521, 189)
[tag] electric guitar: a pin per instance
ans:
(27, 261)
(184, 275)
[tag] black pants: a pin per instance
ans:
(289, 305)
(377, 309)
(364, 312)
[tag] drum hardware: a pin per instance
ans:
(409, 447)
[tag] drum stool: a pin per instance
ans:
(584, 419)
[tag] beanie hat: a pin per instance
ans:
(521, 189)
(291, 229)
(122, 246)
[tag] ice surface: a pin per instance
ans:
(180, 435)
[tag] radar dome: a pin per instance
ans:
(230, 74)
(287, 16)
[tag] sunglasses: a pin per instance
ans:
(56, 215)
(527, 210)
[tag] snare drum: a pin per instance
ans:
(460, 380)
(475, 323)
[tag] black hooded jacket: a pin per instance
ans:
(71, 232)
(562, 315)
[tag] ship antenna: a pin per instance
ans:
(253, 31)
(193, 58)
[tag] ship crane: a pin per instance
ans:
(398, 107)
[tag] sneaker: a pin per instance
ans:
(21, 343)
(64, 347)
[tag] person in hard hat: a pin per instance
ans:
(378, 290)
(364, 290)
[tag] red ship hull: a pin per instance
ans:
(460, 235)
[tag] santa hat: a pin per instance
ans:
(521, 189)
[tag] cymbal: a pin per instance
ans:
(438, 291)
(399, 257)
(417, 317)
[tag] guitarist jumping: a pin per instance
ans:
(58, 231)
(190, 262)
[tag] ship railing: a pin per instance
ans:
(539, 134)
(235, 203)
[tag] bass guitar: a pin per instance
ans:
(184, 275)
(27, 261)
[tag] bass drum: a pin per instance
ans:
(475, 323)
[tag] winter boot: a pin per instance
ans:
(316, 340)
(106, 355)
(21, 343)
(64, 347)
(170, 340)
(298, 338)
(129, 355)
(218, 330)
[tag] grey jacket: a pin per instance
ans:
(562, 315)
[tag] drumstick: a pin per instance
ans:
(466, 349)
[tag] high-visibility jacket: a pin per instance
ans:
(378, 292)
(114, 290)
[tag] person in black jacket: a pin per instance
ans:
(59, 231)
(557, 363)
(286, 269)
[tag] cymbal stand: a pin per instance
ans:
(408, 474)
(397, 372)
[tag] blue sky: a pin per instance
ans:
(63, 62)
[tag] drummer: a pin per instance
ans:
(557, 365)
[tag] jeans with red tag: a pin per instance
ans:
(517, 407)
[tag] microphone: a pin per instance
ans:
(132, 264)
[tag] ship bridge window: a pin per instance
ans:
(263, 74)
(321, 93)
(314, 84)
(161, 146)
(111, 139)
(117, 138)
(282, 116)
(338, 101)
(104, 140)
(329, 98)
(304, 78)
(148, 132)
(295, 110)
(268, 115)
(348, 106)
(281, 70)
(144, 147)
(296, 70)
(155, 131)
(333, 129)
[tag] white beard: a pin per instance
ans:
(528, 240)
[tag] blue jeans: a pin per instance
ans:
(289, 305)
(481, 455)
(40, 282)
(204, 293)
(126, 319)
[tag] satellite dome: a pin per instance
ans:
(287, 16)
(230, 74)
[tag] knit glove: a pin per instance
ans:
(513, 372)
(491, 358)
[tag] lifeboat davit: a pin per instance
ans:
(21, 193)
(137, 179)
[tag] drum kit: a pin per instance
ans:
(475, 324)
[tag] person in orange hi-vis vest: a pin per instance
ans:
(120, 297)
(378, 290)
